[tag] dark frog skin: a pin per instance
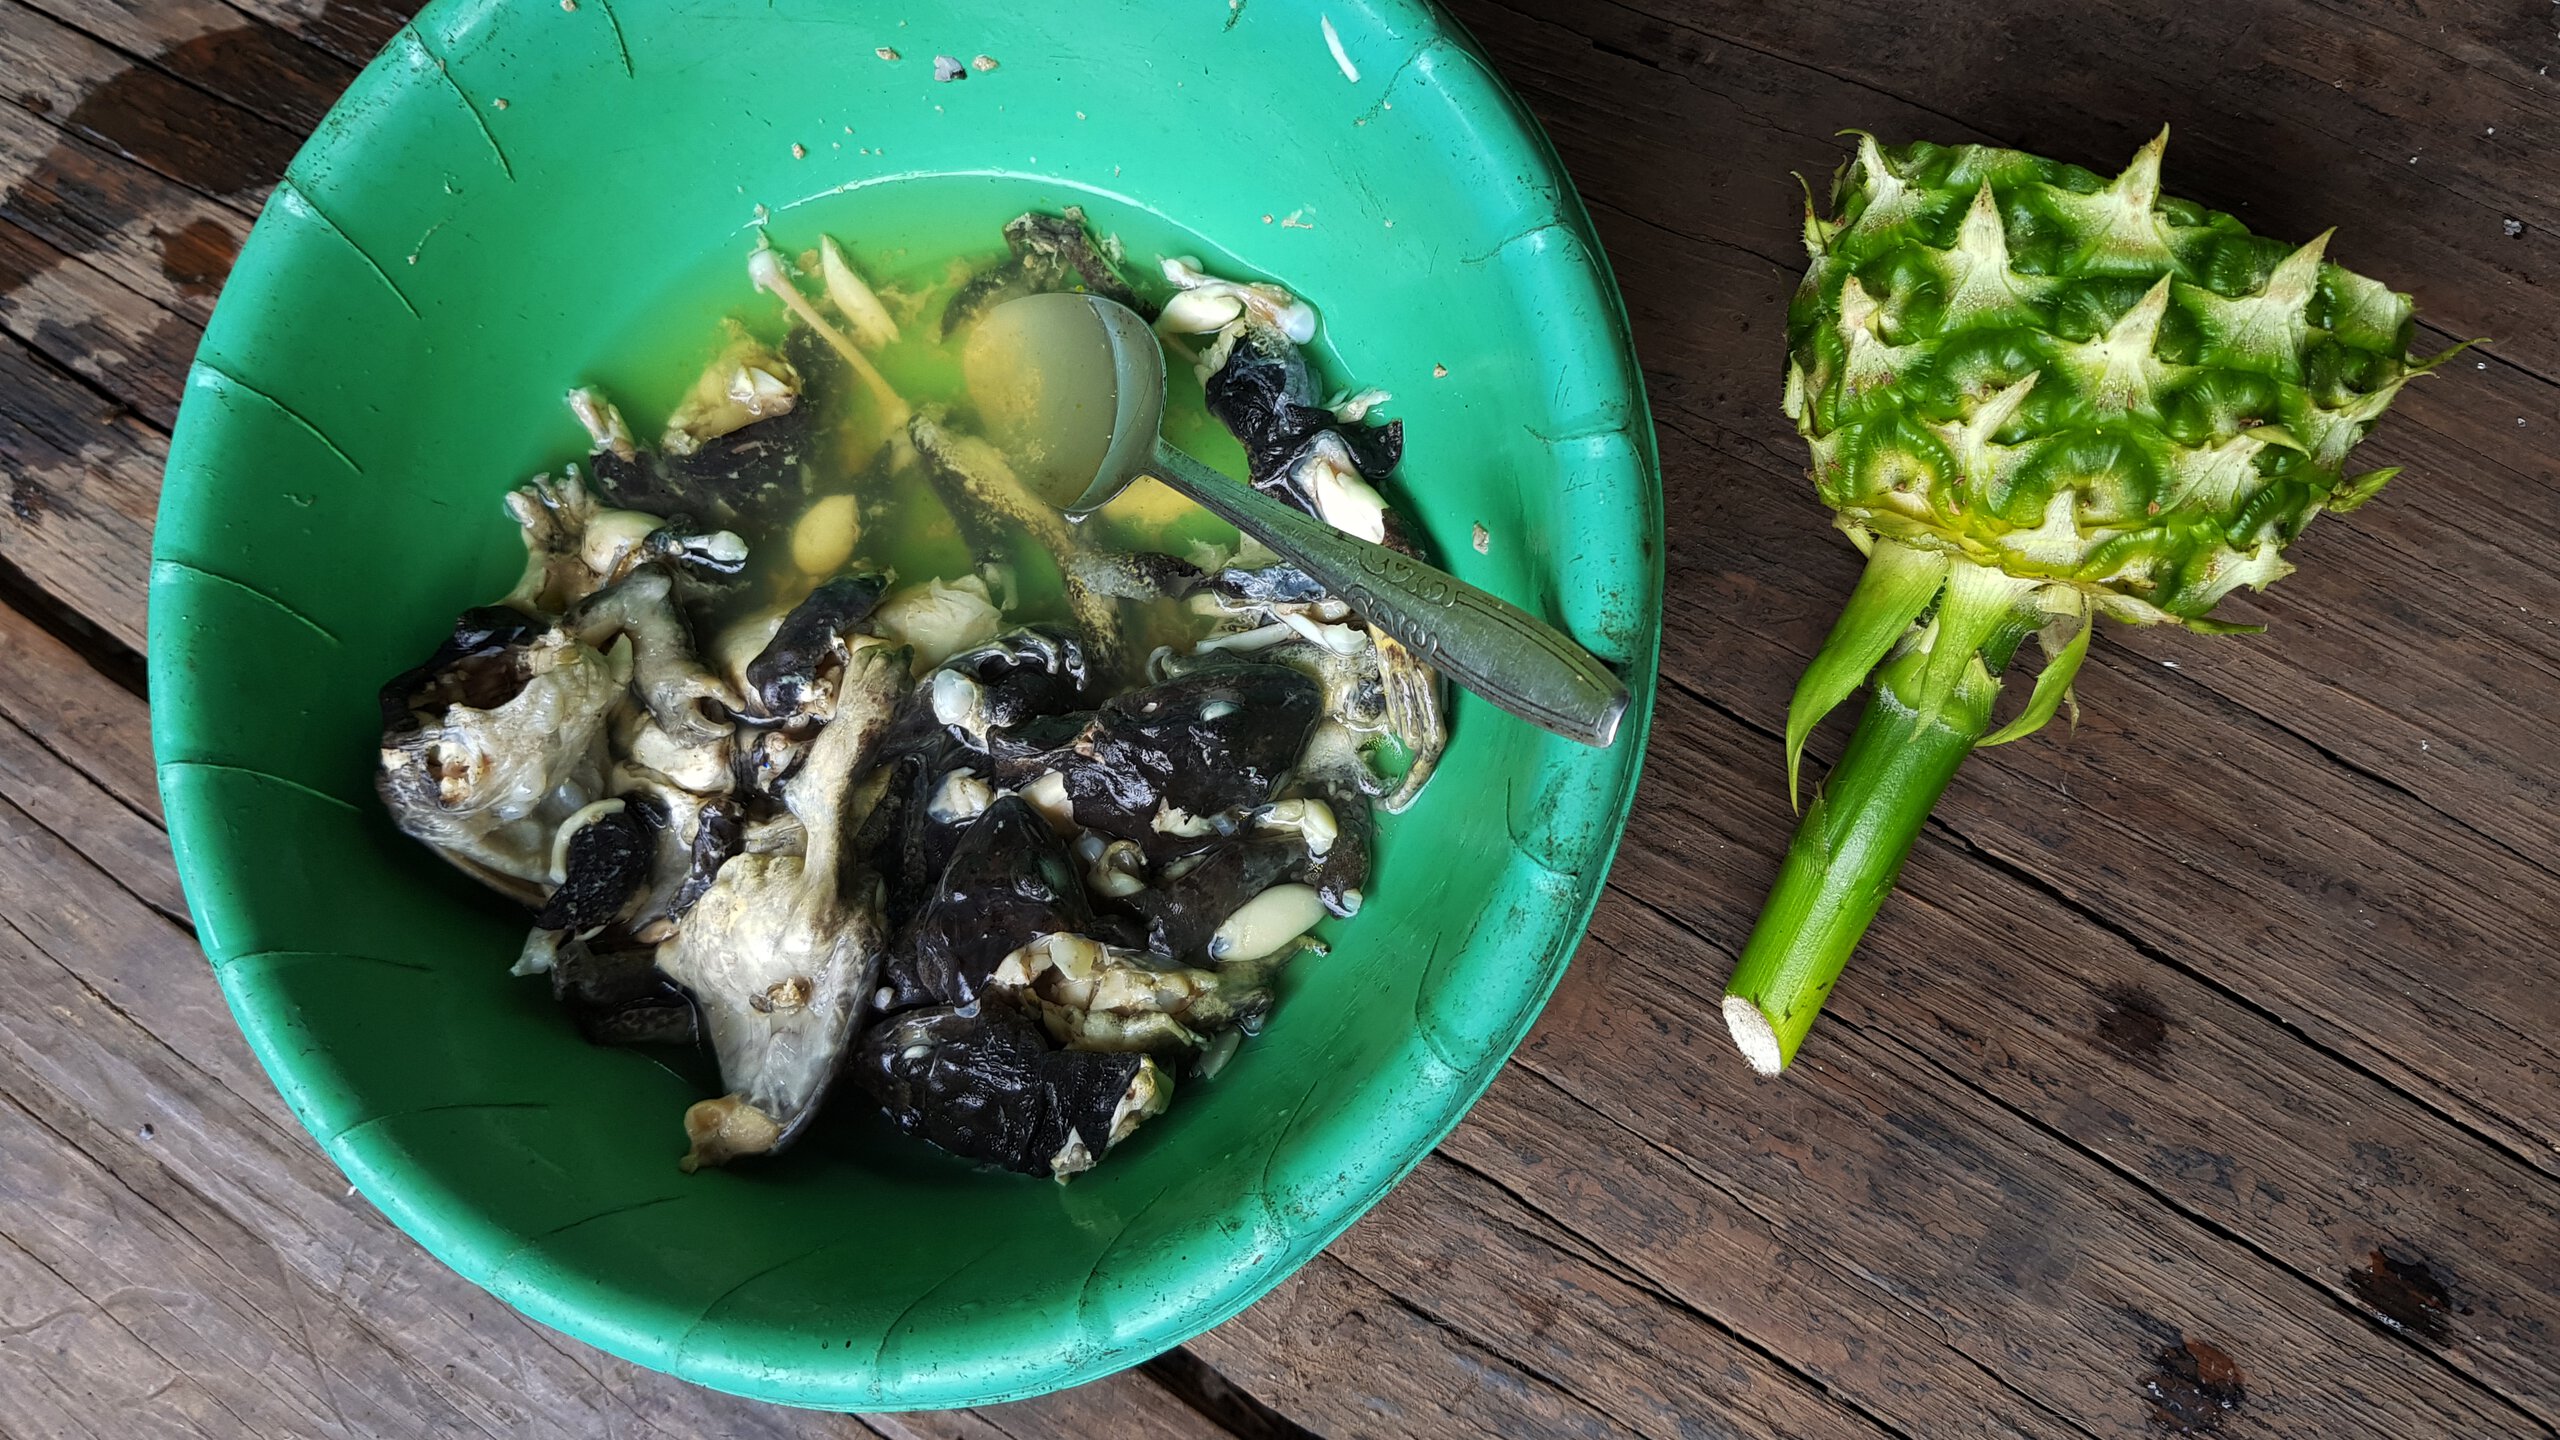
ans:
(1213, 741)
(983, 1082)
(1009, 880)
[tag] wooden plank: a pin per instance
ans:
(1348, 1359)
(124, 844)
(130, 188)
(1479, 1312)
(108, 268)
(79, 195)
(2315, 113)
(65, 1365)
(77, 316)
(2214, 1108)
(76, 758)
(83, 479)
(1622, 1196)
(350, 30)
(143, 112)
(205, 1310)
(94, 725)
(81, 1056)
(1561, 1306)
(2033, 1260)
(247, 60)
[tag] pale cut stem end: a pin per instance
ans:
(1753, 1035)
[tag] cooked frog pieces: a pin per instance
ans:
(739, 452)
(493, 746)
(1008, 879)
(998, 513)
(951, 833)
(791, 674)
(1166, 764)
(1324, 460)
(782, 951)
(1092, 996)
(1050, 252)
(746, 382)
(984, 1083)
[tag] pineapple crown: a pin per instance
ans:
(2080, 380)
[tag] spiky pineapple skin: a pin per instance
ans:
(2077, 379)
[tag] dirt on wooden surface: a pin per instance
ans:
(2203, 1078)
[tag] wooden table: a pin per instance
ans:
(2202, 1078)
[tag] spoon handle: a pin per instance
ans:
(1483, 642)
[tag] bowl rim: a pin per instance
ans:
(1580, 271)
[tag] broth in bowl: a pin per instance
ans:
(818, 741)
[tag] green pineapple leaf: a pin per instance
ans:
(1899, 582)
(2053, 683)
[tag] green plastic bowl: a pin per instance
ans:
(505, 197)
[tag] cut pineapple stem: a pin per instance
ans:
(1931, 707)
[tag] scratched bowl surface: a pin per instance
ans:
(508, 193)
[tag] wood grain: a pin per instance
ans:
(1344, 1357)
(1126, 1404)
(1524, 1313)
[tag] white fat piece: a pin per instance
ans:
(760, 392)
(541, 952)
(1207, 305)
(1353, 408)
(961, 797)
(1174, 820)
(1310, 819)
(747, 382)
(613, 540)
(1048, 795)
(1340, 639)
(1265, 924)
(699, 766)
(740, 642)
(1347, 502)
(866, 320)
(1073, 1158)
(939, 619)
(1114, 869)
(1246, 642)
(824, 537)
(1214, 1056)
(603, 422)
(960, 703)
(1150, 1091)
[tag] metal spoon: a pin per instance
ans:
(1074, 386)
